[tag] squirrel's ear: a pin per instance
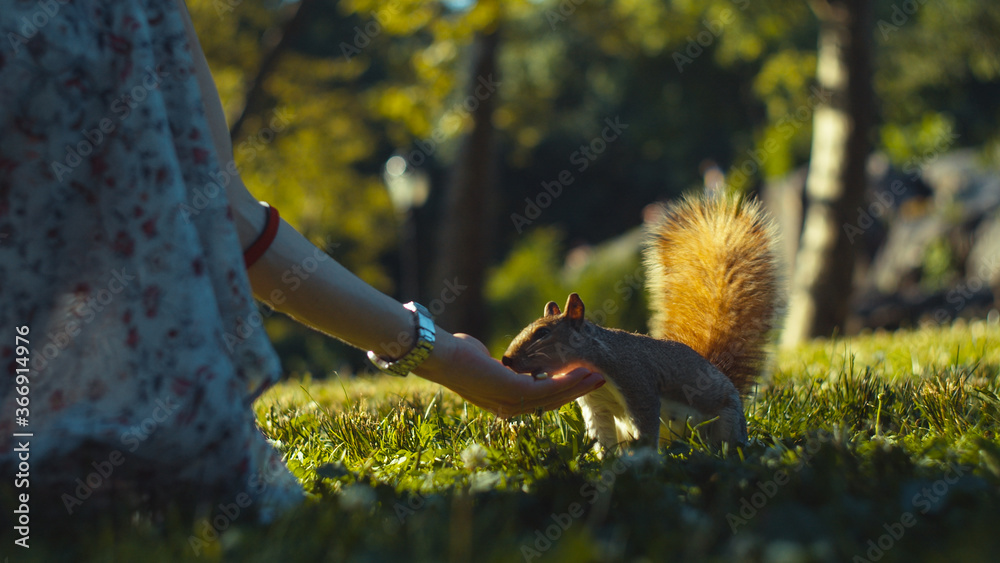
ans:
(551, 309)
(574, 308)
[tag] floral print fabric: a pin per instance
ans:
(119, 252)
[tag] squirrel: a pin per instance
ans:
(715, 295)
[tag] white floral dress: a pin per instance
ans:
(119, 253)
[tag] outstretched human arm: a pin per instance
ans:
(335, 301)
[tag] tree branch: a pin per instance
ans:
(254, 98)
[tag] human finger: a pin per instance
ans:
(551, 393)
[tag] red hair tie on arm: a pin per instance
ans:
(263, 242)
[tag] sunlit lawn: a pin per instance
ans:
(878, 447)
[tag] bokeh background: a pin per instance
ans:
(486, 157)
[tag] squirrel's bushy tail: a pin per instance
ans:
(714, 282)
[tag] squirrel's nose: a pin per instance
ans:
(506, 361)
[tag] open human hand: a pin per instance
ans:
(464, 365)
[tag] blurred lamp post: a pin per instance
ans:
(408, 188)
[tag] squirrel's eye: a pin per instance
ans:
(542, 332)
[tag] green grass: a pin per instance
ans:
(889, 438)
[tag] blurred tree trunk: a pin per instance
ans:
(467, 227)
(824, 267)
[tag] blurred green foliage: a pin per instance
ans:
(726, 80)
(608, 277)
